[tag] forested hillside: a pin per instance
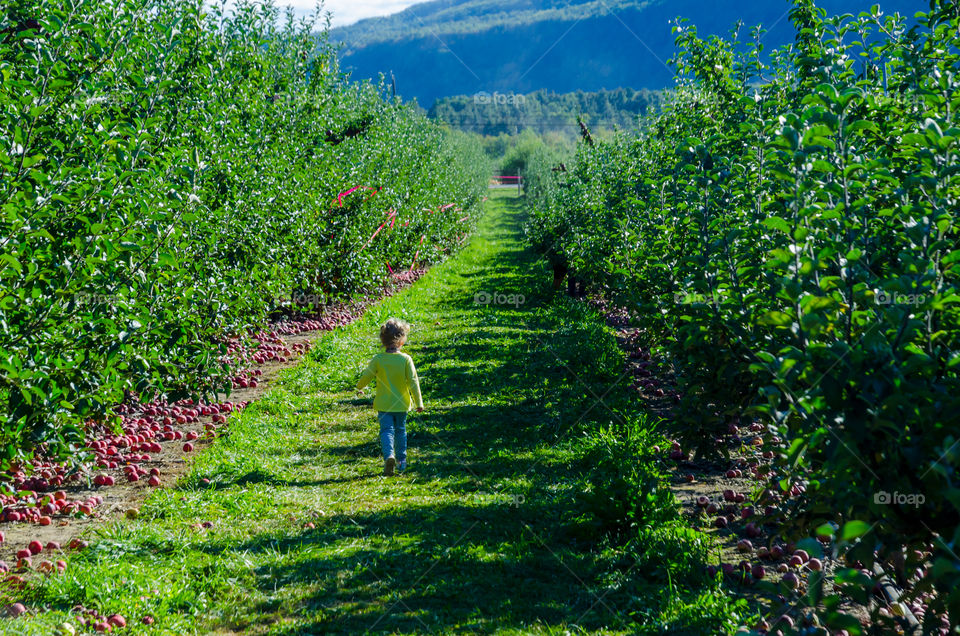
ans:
(544, 111)
(443, 48)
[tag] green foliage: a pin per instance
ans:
(789, 230)
(168, 177)
(629, 492)
(512, 154)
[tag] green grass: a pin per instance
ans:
(530, 504)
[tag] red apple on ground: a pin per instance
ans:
(791, 580)
(16, 609)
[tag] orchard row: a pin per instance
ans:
(785, 231)
(170, 177)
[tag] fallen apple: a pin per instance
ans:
(791, 580)
(16, 609)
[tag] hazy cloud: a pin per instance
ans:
(348, 11)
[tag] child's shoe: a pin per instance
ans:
(388, 465)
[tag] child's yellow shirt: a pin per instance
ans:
(397, 384)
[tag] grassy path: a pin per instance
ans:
(499, 524)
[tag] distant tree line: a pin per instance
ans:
(492, 114)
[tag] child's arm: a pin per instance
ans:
(413, 382)
(369, 374)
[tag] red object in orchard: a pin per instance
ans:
(786, 620)
(744, 546)
(24, 554)
(188, 447)
(815, 564)
(103, 480)
(117, 620)
(791, 580)
(16, 609)
(154, 481)
(720, 522)
(44, 521)
(758, 572)
(147, 620)
(35, 547)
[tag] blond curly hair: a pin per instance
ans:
(394, 332)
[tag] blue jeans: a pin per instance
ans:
(393, 435)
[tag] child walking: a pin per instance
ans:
(397, 389)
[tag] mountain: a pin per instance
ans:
(464, 47)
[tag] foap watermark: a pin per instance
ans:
(496, 298)
(696, 298)
(499, 99)
(888, 298)
(885, 498)
(97, 299)
(497, 499)
(302, 299)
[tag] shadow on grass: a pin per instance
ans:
(418, 570)
(506, 548)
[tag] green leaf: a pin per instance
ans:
(776, 319)
(776, 223)
(854, 529)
